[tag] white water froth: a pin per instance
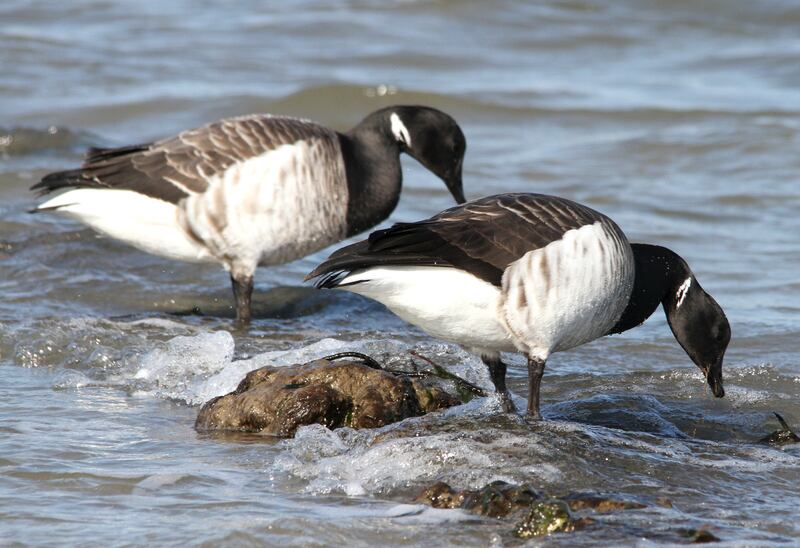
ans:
(176, 368)
(380, 461)
(463, 446)
(198, 368)
(69, 378)
(194, 369)
(740, 397)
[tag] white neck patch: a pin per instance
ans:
(399, 130)
(682, 291)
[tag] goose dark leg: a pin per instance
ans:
(242, 291)
(497, 371)
(535, 372)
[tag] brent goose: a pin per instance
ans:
(256, 190)
(529, 273)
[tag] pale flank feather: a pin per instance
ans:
(282, 185)
(569, 292)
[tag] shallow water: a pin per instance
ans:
(681, 122)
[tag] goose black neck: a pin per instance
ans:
(659, 273)
(372, 166)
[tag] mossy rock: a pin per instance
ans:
(544, 518)
(537, 513)
(496, 500)
(278, 400)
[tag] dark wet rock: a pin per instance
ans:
(441, 495)
(466, 390)
(278, 400)
(538, 513)
(598, 503)
(664, 502)
(544, 518)
(780, 437)
(500, 499)
(699, 536)
(496, 500)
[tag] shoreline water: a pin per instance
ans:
(679, 121)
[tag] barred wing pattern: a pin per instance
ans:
(482, 237)
(173, 168)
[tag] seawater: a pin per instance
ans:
(680, 120)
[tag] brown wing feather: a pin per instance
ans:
(482, 237)
(172, 168)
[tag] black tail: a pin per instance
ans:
(61, 179)
(338, 265)
(95, 163)
(368, 254)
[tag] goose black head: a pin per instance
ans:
(434, 139)
(701, 328)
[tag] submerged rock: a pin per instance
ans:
(538, 513)
(496, 500)
(584, 501)
(441, 495)
(358, 394)
(699, 536)
(780, 437)
(545, 517)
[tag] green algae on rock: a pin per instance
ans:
(539, 514)
(545, 517)
(496, 500)
(278, 400)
